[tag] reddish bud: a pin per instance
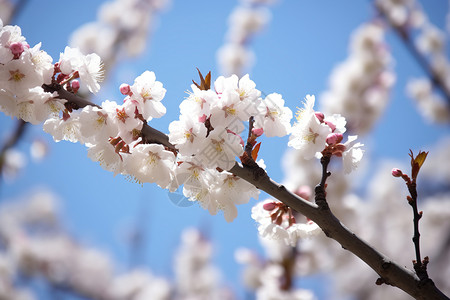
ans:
(270, 206)
(334, 138)
(257, 131)
(396, 172)
(16, 49)
(125, 89)
(202, 119)
(320, 116)
(75, 84)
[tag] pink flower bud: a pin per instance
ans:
(331, 125)
(396, 172)
(16, 48)
(257, 131)
(125, 89)
(75, 85)
(320, 116)
(270, 206)
(334, 138)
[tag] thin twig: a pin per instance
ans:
(249, 144)
(320, 196)
(419, 266)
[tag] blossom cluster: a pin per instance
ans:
(359, 86)
(315, 134)
(208, 138)
(276, 222)
(23, 69)
(269, 276)
(202, 145)
(195, 275)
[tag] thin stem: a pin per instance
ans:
(249, 146)
(419, 266)
(320, 196)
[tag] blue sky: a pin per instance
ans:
(295, 55)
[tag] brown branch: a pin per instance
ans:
(249, 145)
(390, 272)
(320, 194)
(419, 266)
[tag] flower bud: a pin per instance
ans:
(125, 89)
(320, 116)
(75, 84)
(334, 138)
(202, 119)
(257, 131)
(396, 172)
(16, 49)
(270, 206)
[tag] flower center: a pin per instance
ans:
(16, 75)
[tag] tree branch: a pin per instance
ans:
(390, 272)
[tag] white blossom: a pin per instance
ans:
(274, 117)
(148, 93)
(308, 133)
(151, 163)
